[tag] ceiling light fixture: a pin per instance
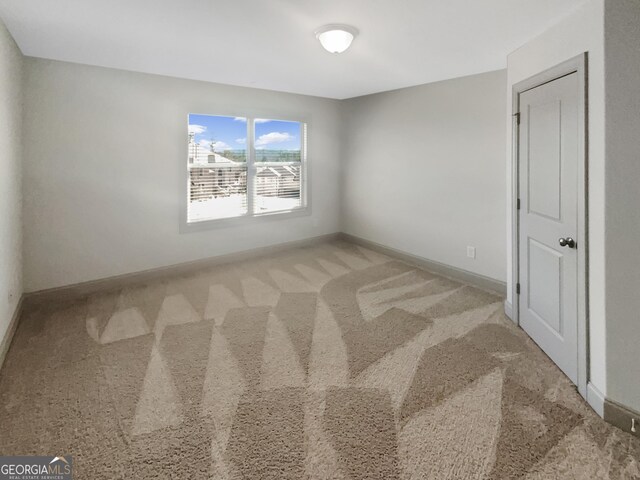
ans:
(336, 38)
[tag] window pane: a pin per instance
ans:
(279, 146)
(277, 188)
(217, 162)
(278, 141)
(217, 192)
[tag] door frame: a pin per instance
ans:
(579, 65)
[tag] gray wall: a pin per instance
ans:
(622, 69)
(424, 171)
(104, 158)
(10, 182)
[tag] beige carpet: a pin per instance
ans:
(330, 362)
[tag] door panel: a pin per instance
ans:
(544, 289)
(544, 159)
(548, 186)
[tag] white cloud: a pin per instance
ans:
(257, 120)
(273, 137)
(241, 141)
(197, 129)
(218, 146)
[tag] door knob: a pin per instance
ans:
(567, 242)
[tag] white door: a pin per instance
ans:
(548, 216)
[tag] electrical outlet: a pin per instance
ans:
(471, 252)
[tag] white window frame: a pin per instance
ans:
(252, 167)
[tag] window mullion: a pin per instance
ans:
(250, 165)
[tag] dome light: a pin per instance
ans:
(336, 38)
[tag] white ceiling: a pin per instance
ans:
(270, 43)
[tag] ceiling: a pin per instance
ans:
(270, 43)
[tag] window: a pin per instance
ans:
(243, 167)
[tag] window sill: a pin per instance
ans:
(192, 227)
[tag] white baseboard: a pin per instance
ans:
(596, 399)
(5, 342)
(508, 309)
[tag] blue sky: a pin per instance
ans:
(230, 133)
